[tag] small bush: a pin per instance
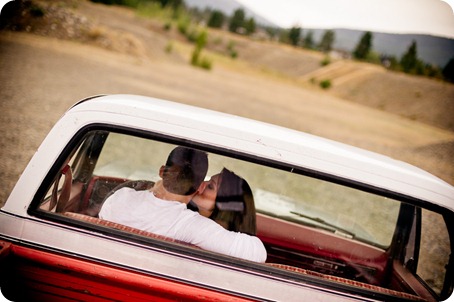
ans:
(325, 84)
(192, 35)
(205, 63)
(195, 57)
(231, 50)
(325, 61)
(183, 26)
(169, 47)
(167, 26)
(198, 61)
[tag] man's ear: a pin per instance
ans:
(161, 171)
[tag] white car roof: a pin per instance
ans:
(273, 142)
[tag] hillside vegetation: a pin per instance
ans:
(124, 30)
(255, 78)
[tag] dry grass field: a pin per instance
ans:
(78, 49)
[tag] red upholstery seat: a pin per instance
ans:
(354, 283)
(121, 227)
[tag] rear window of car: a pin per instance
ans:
(291, 196)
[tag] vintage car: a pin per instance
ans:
(338, 223)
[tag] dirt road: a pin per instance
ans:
(41, 77)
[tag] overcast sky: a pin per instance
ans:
(433, 17)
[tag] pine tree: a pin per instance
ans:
(409, 60)
(250, 26)
(294, 35)
(309, 40)
(364, 46)
(216, 19)
(448, 71)
(327, 41)
(237, 20)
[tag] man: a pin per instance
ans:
(163, 209)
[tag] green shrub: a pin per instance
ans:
(231, 50)
(195, 57)
(198, 61)
(183, 26)
(192, 35)
(325, 61)
(167, 26)
(205, 63)
(325, 84)
(169, 47)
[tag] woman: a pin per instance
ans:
(227, 199)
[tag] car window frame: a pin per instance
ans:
(183, 251)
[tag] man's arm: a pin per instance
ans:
(209, 235)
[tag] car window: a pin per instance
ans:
(345, 211)
(131, 157)
(312, 223)
(434, 250)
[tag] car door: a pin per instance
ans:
(421, 251)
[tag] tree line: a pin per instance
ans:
(239, 23)
(363, 51)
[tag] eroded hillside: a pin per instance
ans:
(79, 48)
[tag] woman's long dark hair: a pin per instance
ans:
(235, 204)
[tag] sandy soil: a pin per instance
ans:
(45, 71)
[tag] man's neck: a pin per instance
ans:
(160, 192)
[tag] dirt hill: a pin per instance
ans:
(121, 29)
(72, 49)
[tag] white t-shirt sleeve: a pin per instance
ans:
(208, 235)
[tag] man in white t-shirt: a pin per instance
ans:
(162, 210)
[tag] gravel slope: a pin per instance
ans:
(42, 74)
